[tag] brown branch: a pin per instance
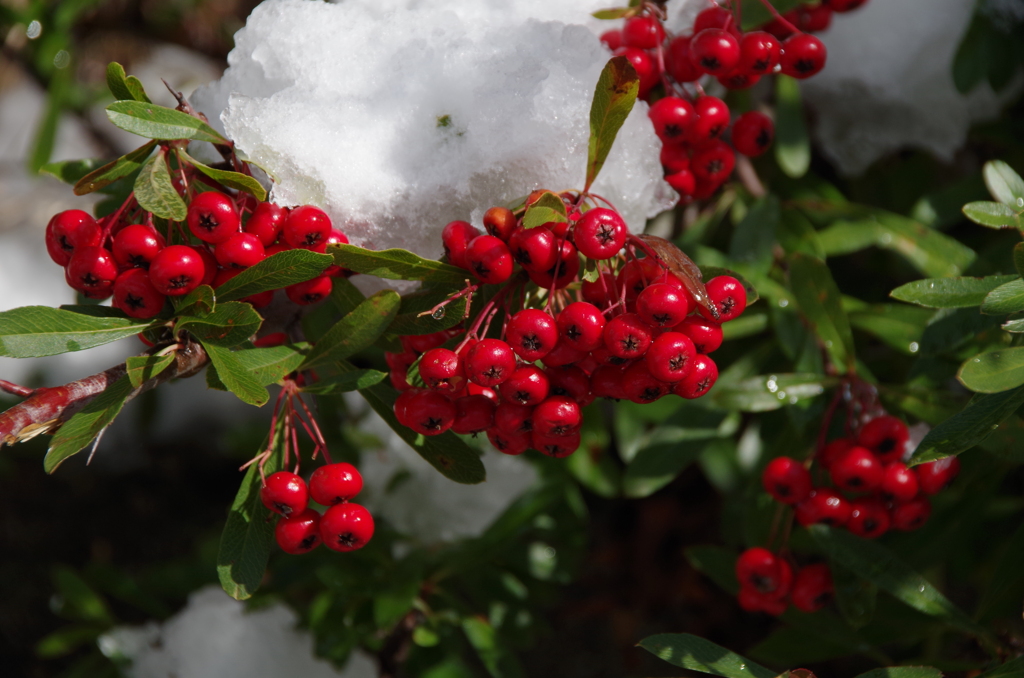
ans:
(48, 408)
(397, 645)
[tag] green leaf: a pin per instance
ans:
(792, 143)
(155, 192)
(122, 86)
(1011, 669)
(275, 272)
(949, 292)
(1007, 298)
(236, 180)
(616, 92)
(992, 214)
(968, 427)
(874, 562)
(353, 381)
(994, 371)
(35, 331)
(79, 600)
(200, 302)
(356, 331)
(546, 209)
(113, 171)
(270, 365)
(855, 597)
(818, 297)
(248, 534)
(754, 238)
(903, 672)
(157, 122)
(973, 56)
(236, 378)
(142, 368)
(66, 640)
(717, 563)
(898, 325)
(797, 234)
(1018, 258)
(662, 457)
(231, 323)
(396, 264)
(85, 425)
(70, 171)
(769, 392)
(409, 320)
(1005, 577)
(756, 15)
(696, 654)
(1014, 326)
(1004, 184)
(615, 13)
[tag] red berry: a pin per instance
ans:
(713, 161)
(729, 297)
(299, 533)
(556, 416)
(812, 587)
(713, 17)
(456, 237)
(311, 291)
(642, 31)
(705, 334)
(715, 51)
(869, 519)
(602, 291)
(241, 250)
(307, 227)
(563, 272)
(823, 506)
(489, 259)
(429, 413)
(712, 119)
(612, 39)
(600, 234)
(810, 18)
(627, 336)
(640, 386)
(536, 249)
(759, 53)
(843, 5)
(934, 476)
(662, 305)
(346, 527)
(787, 480)
(209, 264)
(335, 238)
(699, 381)
(135, 295)
(135, 245)
(212, 217)
(606, 382)
(899, 482)
(581, 325)
(911, 515)
(177, 270)
(684, 183)
(421, 343)
(570, 381)
(678, 62)
(442, 370)
(335, 483)
(285, 493)
(512, 444)
(738, 80)
(672, 117)
(266, 221)
(555, 446)
(638, 274)
(752, 134)
(490, 362)
(500, 222)
(513, 419)
(670, 357)
(563, 354)
(834, 450)
(760, 570)
(646, 68)
(803, 55)
(473, 414)
(532, 334)
(886, 436)
(857, 471)
(528, 386)
(401, 407)
(68, 230)
(92, 271)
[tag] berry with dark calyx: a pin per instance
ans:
(555, 446)
(528, 385)
(285, 493)
(674, 158)
(509, 443)
(92, 271)
(678, 62)
(442, 370)
(556, 416)
(868, 519)
(886, 436)
(429, 412)
(298, 533)
(672, 117)
(645, 67)
(834, 450)
(705, 334)
(812, 18)
(712, 119)
(802, 56)
(135, 295)
(612, 39)
(670, 357)
(899, 483)
(714, 17)
(490, 362)
(857, 471)
(715, 51)
(812, 587)
(699, 381)
(662, 305)
(536, 249)
(910, 515)
(266, 222)
(346, 527)
(934, 476)
(787, 480)
(713, 161)
(729, 297)
(570, 381)
(642, 387)
(177, 270)
(600, 234)
(489, 259)
(758, 569)
(401, 407)
(69, 230)
(532, 334)
(135, 245)
(456, 237)
(684, 183)
(581, 325)
(335, 238)
(824, 506)
(241, 250)
(755, 601)
(759, 53)
(473, 414)
(511, 418)
(638, 274)
(627, 336)
(738, 80)
(335, 483)
(421, 343)
(563, 354)
(753, 133)
(212, 217)
(500, 222)
(563, 272)
(643, 32)
(311, 291)
(306, 227)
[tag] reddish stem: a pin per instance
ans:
(14, 389)
(779, 17)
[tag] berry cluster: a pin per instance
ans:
(768, 583)
(691, 124)
(872, 489)
(638, 326)
(342, 527)
(126, 256)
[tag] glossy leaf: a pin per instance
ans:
(270, 365)
(792, 142)
(697, 654)
(547, 208)
(155, 192)
(662, 457)
(992, 214)
(615, 13)
(716, 562)
(1011, 669)
(994, 371)
(35, 331)
(753, 240)
(70, 171)
(409, 320)
(614, 96)
(230, 323)
(903, 672)
(949, 292)
(1004, 184)
(122, 86)
(157, 122)
(200, 302)
(82, 428)
(344, 383)
(768, 392)
(1007, 298)
(143, 368)
(113, 171)
(248, 535)
(877, 564)
(236, 180)
(275, 272)
(232, 372)
(818, 298)
(356, 331)
(855, 597)
(898, 325)
(396, 264)
(970, 426)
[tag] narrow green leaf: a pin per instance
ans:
(903, 672)
(236, 180)
(356, 331)
(35, 331)
(877, 564)
(546, 209)
(236, 378)
(137, 90)
(753, 240)
(156, 193)
(615, 13)
(796, 233)
(792, 143)
(157, 122)
(616, 92)
(112, 171)
(142, 368)
(66, 640)
(973, 55)
(949, 292)
(717, 563)
(818, 297)
(1007, 298)
(409, 320)
(80, 601)
(898, 325)
(992, 214)
(769, 392)
(696, 654)
(855, 596)
(275, 272)
(1014, 326)
(344, 383)
(248, 535)
(396, 264)
(1005, 577)
(116, 81)
(660, 459)
(85, 425)
(1004, 184)
(230, 323)
(70, 171)
(199, 302)
(1011, 669)
(270, 365)
(994, 371)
